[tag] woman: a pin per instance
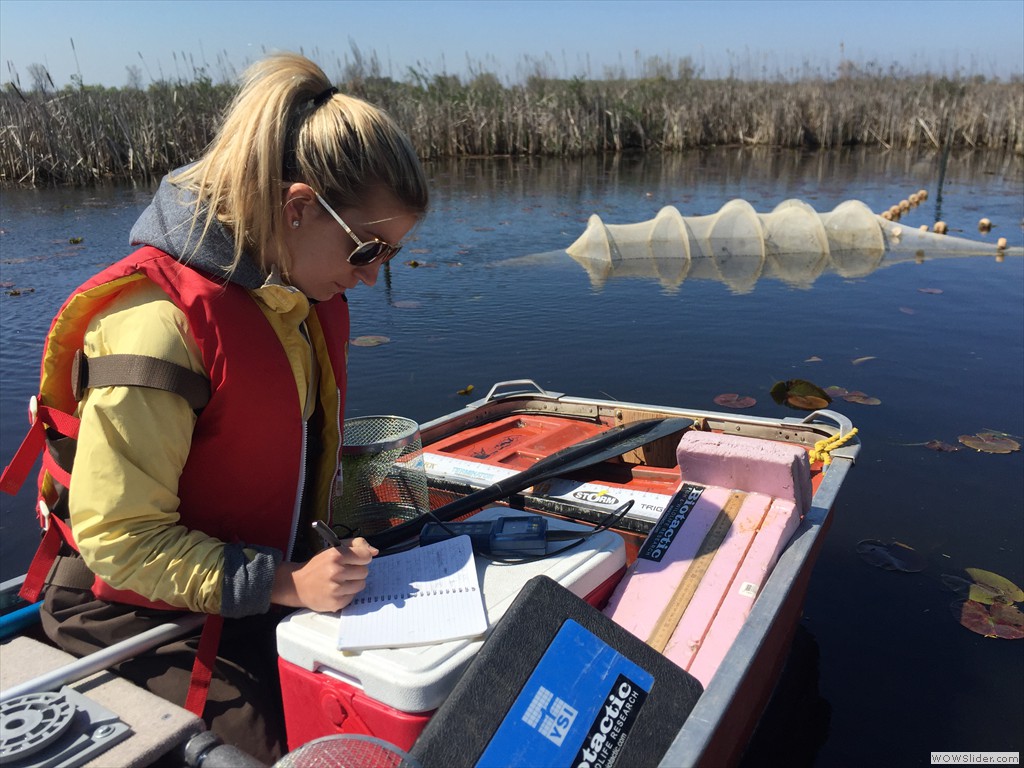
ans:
(196, 479)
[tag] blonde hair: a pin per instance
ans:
(288, 124)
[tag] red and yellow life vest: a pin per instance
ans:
(241, 480)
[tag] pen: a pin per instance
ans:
(330, 537)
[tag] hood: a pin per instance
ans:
(167, 224)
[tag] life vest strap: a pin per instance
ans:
(56, 533)
(57, 472)
(14, 474)
(202, 669)
(138, 371)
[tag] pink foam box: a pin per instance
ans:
(670, 547)
(710, 593)
(702, 654)
(747, 464)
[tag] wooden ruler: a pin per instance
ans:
(684, 591)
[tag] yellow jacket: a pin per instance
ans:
(133, 443)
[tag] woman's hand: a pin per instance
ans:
(326, 583)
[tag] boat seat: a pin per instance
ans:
(157, 725)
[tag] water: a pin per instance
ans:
(896, 676)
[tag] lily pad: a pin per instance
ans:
(979, 593)
(957, 584)
(806, 402)
(1002, 621)
(939, 445)
(894, 556)
(1003, 590)
(990, 442)
(852, 396)
(813, 359)
(860, 397)
(733, 400)
(369, 341)
(800, 394)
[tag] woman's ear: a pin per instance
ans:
(297, 198)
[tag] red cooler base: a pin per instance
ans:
(318, 705)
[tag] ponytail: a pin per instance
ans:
(287, 124)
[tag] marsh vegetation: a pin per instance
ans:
(81, 134)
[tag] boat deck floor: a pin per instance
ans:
(157, 725)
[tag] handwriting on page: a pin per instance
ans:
(425, 595)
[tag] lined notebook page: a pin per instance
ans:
(418, 597)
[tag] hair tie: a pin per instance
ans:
(324, 97)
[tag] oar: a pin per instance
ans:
(601, 447)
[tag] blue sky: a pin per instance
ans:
(511, 39)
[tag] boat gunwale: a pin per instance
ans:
(806, 431)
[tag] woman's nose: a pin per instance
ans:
(368, 274)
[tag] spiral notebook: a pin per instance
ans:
(422, 596)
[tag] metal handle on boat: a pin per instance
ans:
(844, 424)
(107, 657)
(512, 382)
(847, 450)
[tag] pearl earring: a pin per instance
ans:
(295, 223)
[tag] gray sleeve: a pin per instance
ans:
(247, 583)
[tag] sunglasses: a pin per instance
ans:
(365, 253)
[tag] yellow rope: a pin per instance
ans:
(822, 449)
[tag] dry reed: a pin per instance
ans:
(81, 135)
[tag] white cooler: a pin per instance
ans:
(391, 693)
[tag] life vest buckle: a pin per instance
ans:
(43, 512)
(79, 374)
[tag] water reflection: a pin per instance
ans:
(796, 721)
(753, 173)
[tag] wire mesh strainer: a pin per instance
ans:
(383, 479)
(347, 751)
